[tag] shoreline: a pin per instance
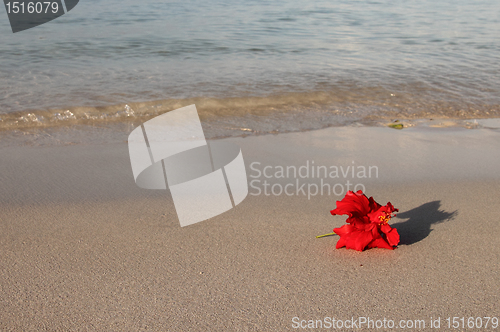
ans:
(223, 128)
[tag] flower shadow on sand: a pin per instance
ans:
(420, 220)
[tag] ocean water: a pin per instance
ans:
(319, 62)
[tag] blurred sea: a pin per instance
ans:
(319, 62)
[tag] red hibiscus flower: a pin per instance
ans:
(367, 225)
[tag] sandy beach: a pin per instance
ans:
(83, 248)
(312, 99)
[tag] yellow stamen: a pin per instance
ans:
(385, 219)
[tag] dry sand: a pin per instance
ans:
(83, 248)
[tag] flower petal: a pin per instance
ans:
(391, 207)
(373, 204)
(359, 222)
(358, 240)
(343, 230)
(380, 243)
(385, 228)
(353, 204)
(391, 234)
(341, 242)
